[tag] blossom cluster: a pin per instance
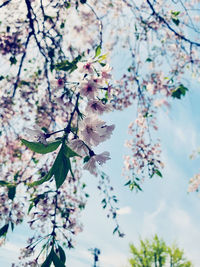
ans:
(51, 92)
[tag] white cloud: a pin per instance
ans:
(113, 259)
(187, 233)
(124, 210)
(150, 220)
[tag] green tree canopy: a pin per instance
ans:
(156, 253)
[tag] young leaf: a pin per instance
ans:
(175, 13)
(41, 148)
(4, 230)
(102, 58)
(158, 173)
(30, 207)
(98, 51)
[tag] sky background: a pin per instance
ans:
(164, 207)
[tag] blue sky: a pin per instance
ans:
(164, 207)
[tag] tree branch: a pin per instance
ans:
(5, 3)
(161, 19)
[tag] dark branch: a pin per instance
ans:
(161, 19)
(5, 3)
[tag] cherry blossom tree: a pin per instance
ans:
(56, 83)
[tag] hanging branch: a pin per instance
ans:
(161, 19)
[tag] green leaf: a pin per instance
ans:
(62, 25)
(13, 60)
(68, 152)
(104, 203)
(175, 13)
(128, 183)
(158, 173)
(176, 21)
(67, 65)
(41, 148)
(61, 167)
(12, 226)
(102, 58)
(98, 51)
(86, 159)
(62, 254)
(116, 229)
(149, 59)
(67, 5)
(4, 230)
(179, 91)
(49, 259)
(24, 83)
(4, 183)
(57, 262)
(30, 207)
(11, 192)
(134, 185)
(46, 178)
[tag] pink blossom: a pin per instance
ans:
(194, 183)
(85, 67)
(89, 89)
(97, 107)
(105, 72)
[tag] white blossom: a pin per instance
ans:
(93, 131)
(89, 89)
(37, 134)
(97, 107)
(106, 132)
(85, 67)
(78, 146)
(100, 159)
(91, 166)
(105, 72)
